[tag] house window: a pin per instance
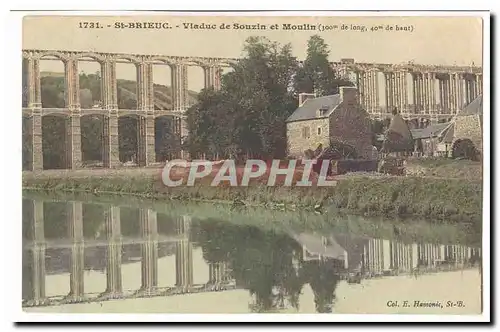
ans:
(306, 133)
(319, 130)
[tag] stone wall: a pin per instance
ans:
(350, 124)
(297, 144)
(469, 127)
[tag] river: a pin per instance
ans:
(97, 255)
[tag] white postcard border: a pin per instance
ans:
(12, 64)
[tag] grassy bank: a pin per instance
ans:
(450, 168)
(438, 200)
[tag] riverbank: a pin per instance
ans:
(276, 220)
(437, 199)
(445, 167)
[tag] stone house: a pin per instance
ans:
(468, 123)
(319, 120)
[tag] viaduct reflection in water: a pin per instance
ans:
(73, 237)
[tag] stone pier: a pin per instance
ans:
(109, 96)
(184, 254)
(114, 252)
(33, 100)
(34, 257)
(149, 251)
(74, 215)
(73, 140)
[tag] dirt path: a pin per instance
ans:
(97, 172)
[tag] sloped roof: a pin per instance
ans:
(398, 125)
(430, 131)
(449, 134)
(475, 107)
(308, 110)
(398, 136)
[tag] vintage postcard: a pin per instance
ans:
(323, 163)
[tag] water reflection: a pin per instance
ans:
(90, 243)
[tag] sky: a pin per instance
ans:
(432, 40)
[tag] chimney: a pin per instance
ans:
(304, 96)
(349, 94)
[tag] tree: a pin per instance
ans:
(91, 83)
(53, 141)
(316, 75)
(92, 140)
(247, 116)
(378, 128)
(465, 149)
(127, 137)
(206, 135)
(261, 261)
(86, 99)
(323, 278)
(52, 89)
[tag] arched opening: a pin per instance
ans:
(130, 222)
(128, 129)
(162, 87)
(406, 99)
(167, 141)
(94, 224)
(196, 82)
(443, 88)
(223, 71)
(54, 141)
(56, 225)
(378, 93)
(126, 83)
(166, 224)
(386, 81)
(465, 149)
(90, 83)
(52, 82)
(92, 139)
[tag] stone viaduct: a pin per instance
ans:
(36, 244)
(377, 256)
(453, 86)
